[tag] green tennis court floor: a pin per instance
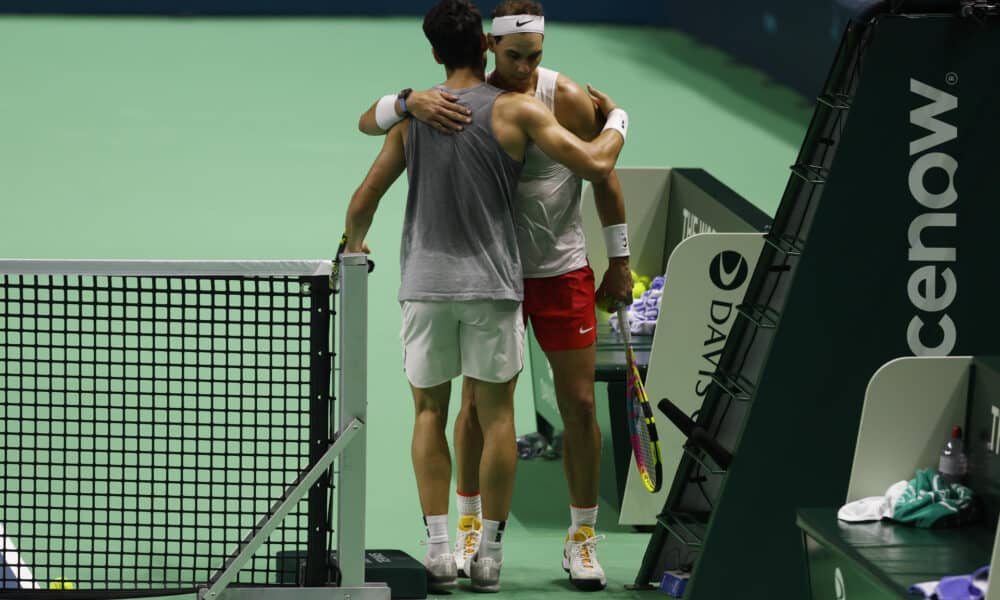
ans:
(236, 138)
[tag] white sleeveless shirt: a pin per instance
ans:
(547, 218)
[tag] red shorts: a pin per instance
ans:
(562, 310)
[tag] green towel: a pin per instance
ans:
(927, 499)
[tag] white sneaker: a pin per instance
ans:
(442, 576)
(485, 573)
(580, 560)
(467, 541)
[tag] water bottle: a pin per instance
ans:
(953, 464)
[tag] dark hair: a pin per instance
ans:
(455, 29)
(518, 7)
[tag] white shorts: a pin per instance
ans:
(483, 339)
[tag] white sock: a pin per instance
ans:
(470, 505)
(582, 517)
(437, 535)
(491, 544)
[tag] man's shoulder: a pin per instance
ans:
(518, 102)
(565, 85)
(570, 95)
(574, 107)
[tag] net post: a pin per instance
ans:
(353, 325)
(320, 364)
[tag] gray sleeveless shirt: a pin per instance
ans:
(458, 241)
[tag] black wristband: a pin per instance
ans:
(402, 96)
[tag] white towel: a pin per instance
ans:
(873, 508)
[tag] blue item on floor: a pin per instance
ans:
(674, 582)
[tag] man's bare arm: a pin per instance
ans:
(437, 108)
(575, 109)
(368, 124)
(616, 283)
(388, 166)
(592, 160)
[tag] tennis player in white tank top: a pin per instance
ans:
(559, 294)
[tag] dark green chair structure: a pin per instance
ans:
(883, 247)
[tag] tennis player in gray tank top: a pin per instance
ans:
(460, 287)
(459, 241)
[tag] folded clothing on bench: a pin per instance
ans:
(960, 587)
(925, 501)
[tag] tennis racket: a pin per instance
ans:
(642, 427)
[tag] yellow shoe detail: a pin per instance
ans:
(469, 523)
(583, 534)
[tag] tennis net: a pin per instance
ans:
(152, 412)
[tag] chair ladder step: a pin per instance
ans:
(730, 385)
(835, 100)
(761, 315)
(814, 174)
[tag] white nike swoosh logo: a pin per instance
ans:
(588, 330)
(728, 277)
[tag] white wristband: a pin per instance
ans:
(617, 120)
(616, 240)
(385, 112)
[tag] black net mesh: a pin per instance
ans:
(148, 423)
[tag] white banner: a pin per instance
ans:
(707, 276)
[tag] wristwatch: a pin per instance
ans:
(403, 95)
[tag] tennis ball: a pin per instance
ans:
(635, 277)
(61, 584)
(638, 289)
(645, 280)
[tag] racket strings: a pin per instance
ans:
(645, 443)
(644, 447)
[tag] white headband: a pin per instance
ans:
(518, 24)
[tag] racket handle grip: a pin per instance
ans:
(695, 433)
(623, 325)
